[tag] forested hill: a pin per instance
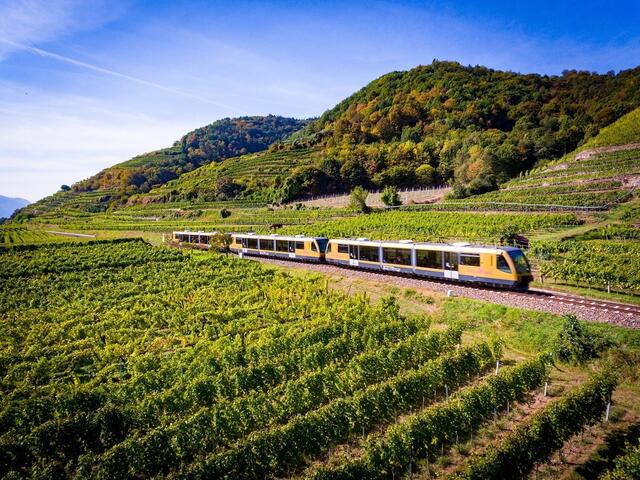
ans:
(441, 123)
(222, 139)
(470, 124)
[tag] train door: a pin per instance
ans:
(451, 265)
(354, 254)
(292, 249)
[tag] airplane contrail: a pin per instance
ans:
(95, 68)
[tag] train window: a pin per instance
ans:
(502, 264)
(429, 259)
(292, 247)
(282, 246)
(343, 248)
(522, 265)
(299, 245)
(313, 247)
(398, 256)
(266, 244)
(369, 254)
(204, 239)
(252, 243)
(469, 260)
(244, 242)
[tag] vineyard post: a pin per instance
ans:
(546, 386)
(606, 415)
(497, 366)
(446, 392)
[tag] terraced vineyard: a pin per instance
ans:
(600, 181)
(258, 169)
(195, 365)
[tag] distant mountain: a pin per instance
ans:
(9, 205)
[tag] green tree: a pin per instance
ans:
(65, 188)
(390, 197)
(425, 174)
(353, 173)
(359, 200)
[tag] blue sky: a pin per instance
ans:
(85, 84)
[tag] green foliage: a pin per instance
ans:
(422, 434)
(625, 130)
(627, 466)
(358, 201)
(470, 123)
(121, 380)
(575, 343)
(425, 175)
(225, 213)
(65, 188)
(539, 436)
(390, 197)
(596, 263)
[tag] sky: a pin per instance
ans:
(85, 84)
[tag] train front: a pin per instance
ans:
(519, 266)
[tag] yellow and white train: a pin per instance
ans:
(460, 262)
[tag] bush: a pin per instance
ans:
(224, 213)
(576, 344)
(359, 200)
(390, 197)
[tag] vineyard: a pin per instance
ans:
(199, 365)
(600, 180)
(598, 263)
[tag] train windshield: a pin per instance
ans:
(520, 261)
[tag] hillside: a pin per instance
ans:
(440, 123)
(605, 171)
(213, 143)
(9, 205)
(222, 139)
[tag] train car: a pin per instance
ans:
(495, 266)
(297, 247)
(201, 239)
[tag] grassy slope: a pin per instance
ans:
(624, 130)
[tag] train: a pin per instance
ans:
(500, 266)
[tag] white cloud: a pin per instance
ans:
(34, 21)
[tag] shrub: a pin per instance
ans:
(576, 344)
(224, 213)
(390, 197)
(359, 200)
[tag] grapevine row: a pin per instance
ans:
(422, 434)
(545, 432)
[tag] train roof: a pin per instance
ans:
(458, 247)
(190, 232)
(277, 236)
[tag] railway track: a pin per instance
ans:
(622, 314)
(594, 304)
